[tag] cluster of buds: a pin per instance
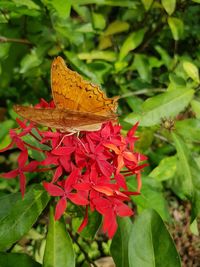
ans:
(90, 168)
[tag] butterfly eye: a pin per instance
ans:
(90, 96)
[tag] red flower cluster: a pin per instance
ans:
(89, 168)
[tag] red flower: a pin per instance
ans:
(22, 159)
(64, 191)
(89, 170)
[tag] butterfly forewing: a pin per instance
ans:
(79, 105)
(70, 90)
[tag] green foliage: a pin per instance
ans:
(58, 250)
(145, 51)
(150, 243)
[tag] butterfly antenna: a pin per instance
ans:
(78, 134)
(66, 135)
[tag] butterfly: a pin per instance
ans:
(79, 104)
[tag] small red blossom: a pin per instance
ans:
(89, 169)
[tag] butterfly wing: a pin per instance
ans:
(64, 120)
(71, 91)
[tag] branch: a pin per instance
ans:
(14, 40)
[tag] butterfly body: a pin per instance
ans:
(79, 104)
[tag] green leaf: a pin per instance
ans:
(191, 70)
(164, 56)
(165, 170)
(150, 243)
(30, 61)
(169, 6)
(18, 218)
(109, 56)
(94, 222)
(81, 67)
(125, 3)
(28, 3)
(162, 106)
(59, 250)
(131, 42)
(116, 27)
(5, 126)
(147, 4)
(17, 259)
(188, 179)
(177, 27)
(119, 246)
(189, 129)
(142, 66)
(62, 7)
(196, 107)
(99, 21)
(151, 197)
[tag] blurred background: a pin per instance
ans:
(145, 51)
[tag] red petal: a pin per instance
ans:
(60, 208)
(77, 199)
(129, 156)
(123, 210)
(71, 179)
(57, 174)
(113, 147)
(53, 190)
(120, 163)
(31, 166)
(82, 186)
(132, 130)
(84, 222)
(22, 159)
(22, 179)
(11, 174)
(104, 189)
(62, 151)
(139, 181)
(110, 224)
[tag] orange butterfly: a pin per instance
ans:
(80, 105)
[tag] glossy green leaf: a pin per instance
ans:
(119, 246)
(30, 61)
(196, 107)
(165, 57)
(150, 244)
(17, 259)
(188, 178)
(191, 70)
(177, 27)
(116, 27)
(162, 106)
(59, 250)
(189, 129)
(165, 170)
(109, 56)
(147, 4)
(142, 66)
(18, 218)
(99, 21)
(62, 7)
(28, 3)
(5, 126)
(131, 42)
(169, 6)
(151, 197)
